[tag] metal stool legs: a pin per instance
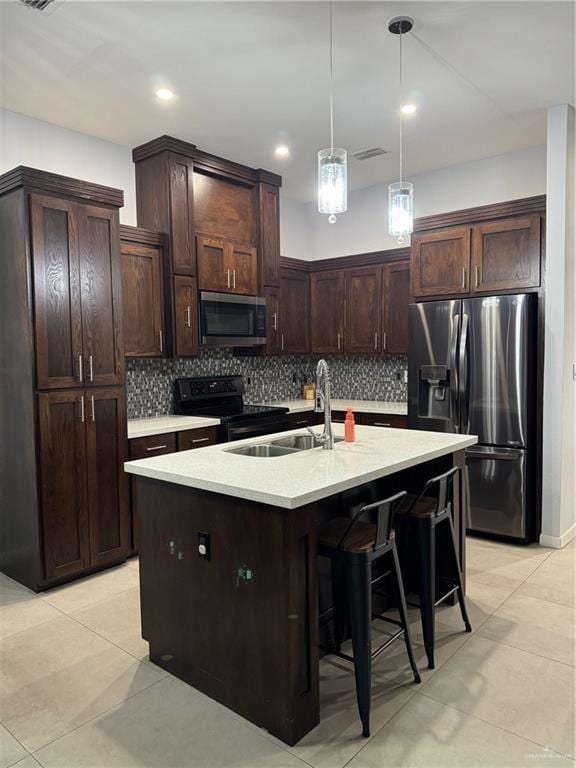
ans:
(458, 577)
(359, 578)
(403, 611)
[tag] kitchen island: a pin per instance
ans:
(228, 565)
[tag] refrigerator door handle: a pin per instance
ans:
(454, 374)
(504, 454)
(463, 375)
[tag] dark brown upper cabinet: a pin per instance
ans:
(181, 209)
(185, 317)
(269, 235)
(327, 298)
(506, 254)
(77, 293)
(226, 267)
(243, 267)
(363, 301)
(142, 294)
(440, 262)
(294, 312)
(396, 298)
(273, 340)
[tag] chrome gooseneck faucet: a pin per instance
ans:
(323, 405)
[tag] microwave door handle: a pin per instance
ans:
(463, 376)
(454, 373)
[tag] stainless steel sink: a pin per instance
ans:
(301, 442)
(262, 450)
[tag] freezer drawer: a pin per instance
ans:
(496, 479)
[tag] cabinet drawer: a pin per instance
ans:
(197, 438)
(383, 420)
(338, 417)
(153, 445)
(305, 419)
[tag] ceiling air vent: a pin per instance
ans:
(39, 5)
(368, 154)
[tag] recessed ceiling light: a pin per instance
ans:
(408, 109)
(165, 94)
(282, 150)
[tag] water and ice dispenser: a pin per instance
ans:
(434, 392)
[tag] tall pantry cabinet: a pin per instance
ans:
(63, 492)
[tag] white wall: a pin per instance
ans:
(363, 228)
(27, 141)
(559, 448)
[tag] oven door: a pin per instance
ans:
(257, 429)
(228, 320)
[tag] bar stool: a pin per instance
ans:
(353, 546)
(421, 515)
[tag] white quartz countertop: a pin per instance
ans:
(358, 406)
(300, 478)
(160, 425)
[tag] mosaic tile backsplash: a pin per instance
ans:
(149, 383)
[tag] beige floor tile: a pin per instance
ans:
(58, 675)
(133, 562)
(172, 725)
(11, 590)
(521, 692)
(553, 582)
(429, 734)
(500, 569)
(566, 556)
(538, 626)
(118, 620)
(481, 602)
(10, 749)
(92, 589)
(476, 545)
(28, 762)
(18, 615)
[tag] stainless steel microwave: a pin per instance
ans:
(231, 320)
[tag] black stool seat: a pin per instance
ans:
(420, 515)
(352, 546)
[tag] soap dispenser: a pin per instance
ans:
(349, 427)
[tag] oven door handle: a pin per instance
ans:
(239, 433)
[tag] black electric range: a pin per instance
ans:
(222, 397)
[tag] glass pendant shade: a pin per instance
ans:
(400, 210)
(332, 182)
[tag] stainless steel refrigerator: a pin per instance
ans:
(470, 371)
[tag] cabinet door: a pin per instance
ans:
(182, 243)
(293, 314)
(506, 254)
(101, 295)
(62, 433)
(213, 269)
(185, 316)
(57, 313)
(395, 308)
(269, 235)
(273, 345)
(107, 450)
(142, 303)
(363, 301)
(243, 264)
(327, 311)
(440, 262)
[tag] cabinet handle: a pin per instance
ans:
(92, 407)
(80, 369)
(381, 424)
(477, 279)
(156, 447)
(376, 340)
(384, 340)
(188, 317)
(275, 321)
(161, 337)
(200, 440)
(227, 278)
(91, 367)
(304, 421)
(82, 408)
(338, 342)
(282, 342)
(463, 277)
(234, 279)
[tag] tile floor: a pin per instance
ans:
(77, 689)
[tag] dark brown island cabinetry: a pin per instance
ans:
(491, 249)
(142, 292)
(63, 493)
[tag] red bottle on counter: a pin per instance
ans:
(349, 427)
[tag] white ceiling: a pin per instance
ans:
(249, 75)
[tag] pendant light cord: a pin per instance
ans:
(400, 105)
(331, 88)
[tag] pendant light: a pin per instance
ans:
(400, 194)
(332, 163)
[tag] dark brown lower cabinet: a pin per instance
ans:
(85, 511)
(185, 316)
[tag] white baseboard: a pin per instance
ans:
(558, 541)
